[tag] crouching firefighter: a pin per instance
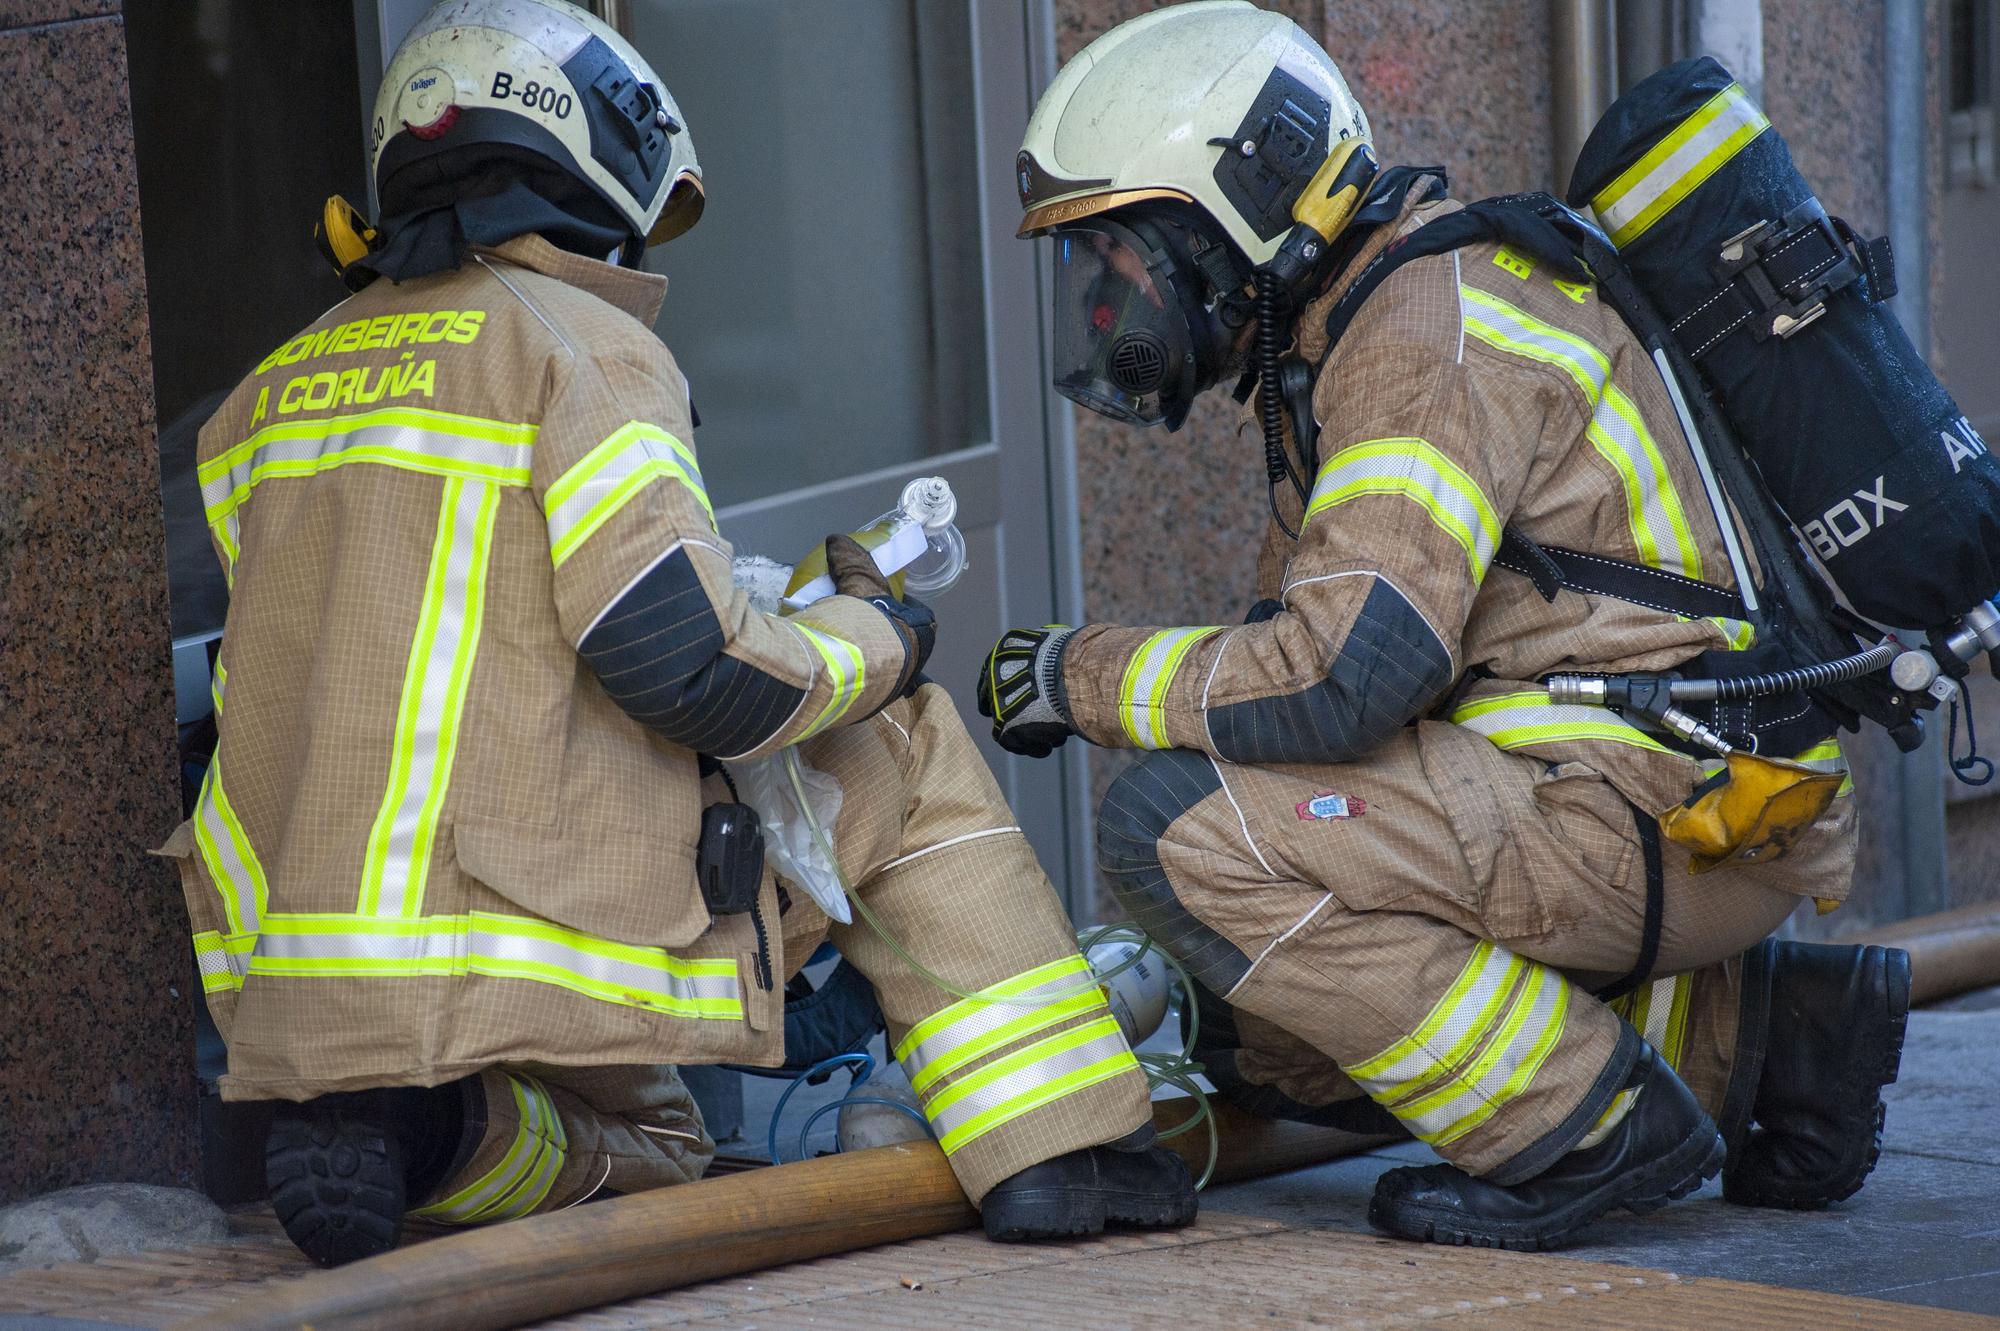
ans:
(1420, 893)
(467, 879)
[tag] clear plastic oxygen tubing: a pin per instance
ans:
(1172, 1069)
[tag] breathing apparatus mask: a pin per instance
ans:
(1148, 308)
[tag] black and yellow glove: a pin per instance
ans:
(1021, 691)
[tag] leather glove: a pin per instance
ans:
(854, 574)
(1020, 690)
(1265, 609)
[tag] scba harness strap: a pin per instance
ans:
(1548, 232)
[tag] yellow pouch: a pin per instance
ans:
(1756, 814)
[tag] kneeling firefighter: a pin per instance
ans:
(1478, 825)
(467, 876)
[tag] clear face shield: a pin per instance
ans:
(1123, 344)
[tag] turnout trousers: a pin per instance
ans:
(927, 841)
(1421, 932)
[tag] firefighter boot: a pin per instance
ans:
(1834, 1040)
(341, 1168)
(1663, 1149)
(1130, 1181)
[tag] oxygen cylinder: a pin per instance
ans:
(1137, 994)
(1778, 306)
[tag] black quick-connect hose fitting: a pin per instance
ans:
(1652, 694)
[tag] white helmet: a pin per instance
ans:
(1218, 104)
(544, 80)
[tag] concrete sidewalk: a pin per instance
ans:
(1925, 1229)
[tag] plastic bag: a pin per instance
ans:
(794, 852)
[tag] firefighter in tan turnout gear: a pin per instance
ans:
(482, 654)
(1416, 893)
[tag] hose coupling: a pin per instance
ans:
(1676, 722)
(1579, 690)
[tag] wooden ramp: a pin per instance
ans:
(1227, 1271)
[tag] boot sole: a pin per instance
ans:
(1053, 1213)
(336, 1184)
(1746, 1190)
(1670, 1178)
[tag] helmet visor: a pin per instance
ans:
(1121, 339)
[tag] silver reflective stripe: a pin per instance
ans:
(987, 1020)
(319, 443)
(445, 944)
(1501, 1071)
(232, 864)
(994, 1096)
(539, 1130)
(435, 683)
(586, 496)
(1149, 677)
(217, 963)
(1416, 1056)
(496, 946)
(1617, 431)
(489, 946)
(1627, 207)
(1418, 471)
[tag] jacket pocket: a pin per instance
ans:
(625, 884)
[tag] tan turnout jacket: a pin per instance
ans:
(1474, 391)
(430, 841)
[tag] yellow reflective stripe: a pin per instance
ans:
(1002, 1035)
(1417, 471)
(1617, 431)
(1043, 976)
(435, 682)
(501, 947)
(1027, 1079)
(1476, 1030)
(604, 480)
(1142, 693)
(1421, 1111)
(1674, 167)
(521, 1180)
(433, 443)
(225, 849)
(1742, 635)
(1523, 720)
(227, 540)
(222, 960)
(1490, 969)
(1664, 1020)
(846, 668)
(1524, 1071)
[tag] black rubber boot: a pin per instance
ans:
(1663, 1149)
(1834, 1040)
(342, 1168)
(1127, 1182)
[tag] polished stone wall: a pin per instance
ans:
(96, 1068)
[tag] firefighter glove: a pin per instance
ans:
(1021, 692)
(854, 574)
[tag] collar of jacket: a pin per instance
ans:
(639, 294)
(1311, 325)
